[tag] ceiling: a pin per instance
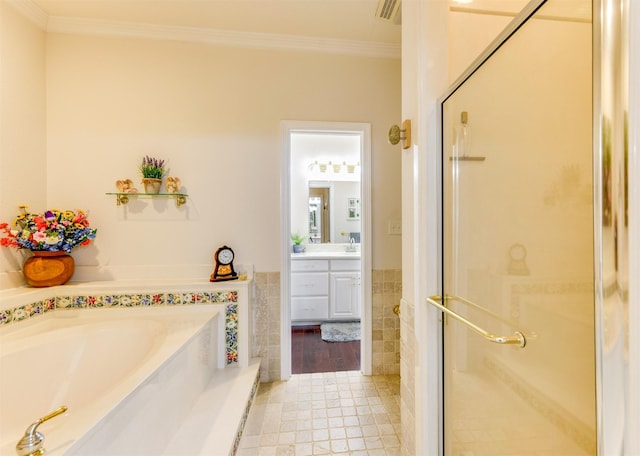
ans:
(338, 22)
(332, 19)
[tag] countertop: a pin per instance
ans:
(326, 255)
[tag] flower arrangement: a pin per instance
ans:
(152, 168)
(52, 231)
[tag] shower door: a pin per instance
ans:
(517, 291)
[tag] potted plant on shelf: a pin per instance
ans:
(50, 237)
(297, 240)
(152, 171)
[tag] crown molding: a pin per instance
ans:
(31, 11)
(85, 26)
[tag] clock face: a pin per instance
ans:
(225, 256)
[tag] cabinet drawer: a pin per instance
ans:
(309, 265)
(345, 265)
(309, 308)
(309, 284)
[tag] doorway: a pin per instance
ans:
(518, 296)
(335, 266)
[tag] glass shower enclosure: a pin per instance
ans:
(518, 242)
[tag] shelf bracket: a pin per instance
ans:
(123, 198)
(180, 200)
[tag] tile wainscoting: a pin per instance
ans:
(386, 292)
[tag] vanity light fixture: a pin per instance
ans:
(335, 167)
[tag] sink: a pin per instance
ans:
(325, 254)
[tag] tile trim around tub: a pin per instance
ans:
(230, 298)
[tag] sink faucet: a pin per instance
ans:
(352, 246)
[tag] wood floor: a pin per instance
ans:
(310, 354)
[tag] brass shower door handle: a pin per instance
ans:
(516, 339)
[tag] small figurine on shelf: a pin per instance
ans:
(172, 184)
(126, 186)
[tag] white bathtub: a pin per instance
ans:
(128, 375)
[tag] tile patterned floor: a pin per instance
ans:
(325, 413)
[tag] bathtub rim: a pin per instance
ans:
(80, 424)
(30, 302)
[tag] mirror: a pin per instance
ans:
(334, 212)
(325, 186)
(319, 218)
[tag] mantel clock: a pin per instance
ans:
(223, 267)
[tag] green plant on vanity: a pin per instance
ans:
(297, 240)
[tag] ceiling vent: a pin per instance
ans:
(389, 10)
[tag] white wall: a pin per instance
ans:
(214, 114)
(424, 79)
(22, 125)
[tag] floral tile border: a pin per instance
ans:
(135, 300)
(231, 331)
(245, 415)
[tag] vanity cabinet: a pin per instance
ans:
(325, 289)
(309, 290)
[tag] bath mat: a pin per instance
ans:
(340, 331)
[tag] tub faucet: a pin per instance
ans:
(31, 442)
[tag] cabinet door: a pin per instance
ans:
(345, 296)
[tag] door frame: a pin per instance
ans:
(364, 129)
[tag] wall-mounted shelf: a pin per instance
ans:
(123, 198)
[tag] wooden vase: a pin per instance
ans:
(47, 269)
